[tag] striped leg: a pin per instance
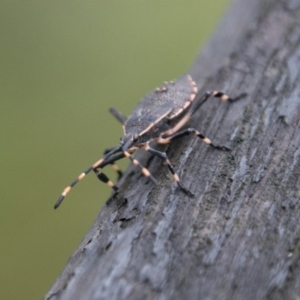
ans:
(102, 177)
(215, 94)
(95, 167)
(187, 132)
(225, 97)
(164, 156)
(144, 170)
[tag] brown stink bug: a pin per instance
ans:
(158, 117)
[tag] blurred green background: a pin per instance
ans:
(63, 64)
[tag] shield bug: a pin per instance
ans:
(158, 117)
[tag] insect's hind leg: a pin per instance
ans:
(188, 131)
(197, 103)
(224, 97)
(217, 94)
(164, 156)
(173, 133)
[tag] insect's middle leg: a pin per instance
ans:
(187, 132)
(97, 168)
(144, 170)
(164, 156)
(102, 177)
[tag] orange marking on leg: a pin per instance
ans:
(66, 191)
(163, 141)
(116, 168)
(207, 141)
(146, 172)
(110, 184)
(135, 162)
(176, 178)
(81, 176)
(224, 98)
(97, 163)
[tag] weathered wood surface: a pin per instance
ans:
(239, 238)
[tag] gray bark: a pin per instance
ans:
(239, 238)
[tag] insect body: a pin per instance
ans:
(158, 117)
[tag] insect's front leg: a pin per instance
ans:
(102, 177)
